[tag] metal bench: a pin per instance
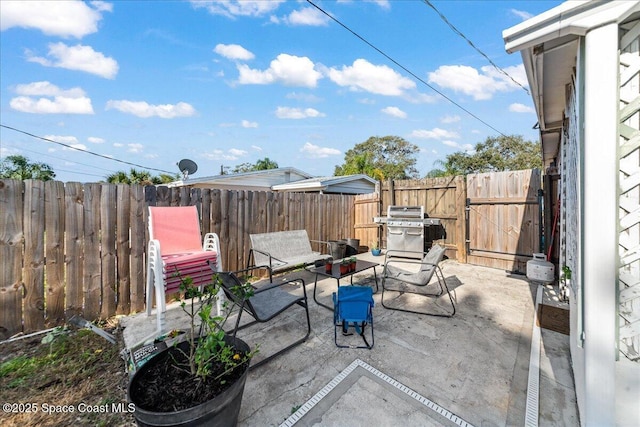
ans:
(283, 250)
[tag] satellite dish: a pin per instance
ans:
(187, 167)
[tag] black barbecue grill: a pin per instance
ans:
(406, 229)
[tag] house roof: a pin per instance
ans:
(283, 179)
(348, 184)
(254, 180)
(549, 46)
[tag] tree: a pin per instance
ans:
(387, 157)
(495, 154)
(261, 165)
(19, 167)
(142, 177)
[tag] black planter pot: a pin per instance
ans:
(221, 411)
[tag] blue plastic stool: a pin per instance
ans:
(353, 308)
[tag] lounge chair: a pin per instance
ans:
(269, 300)
(398, 279)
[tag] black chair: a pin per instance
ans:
(397, 279)
(267, 302)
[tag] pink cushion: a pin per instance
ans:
(177, 228)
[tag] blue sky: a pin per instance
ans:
(228, 82)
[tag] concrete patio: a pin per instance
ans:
(472, 369)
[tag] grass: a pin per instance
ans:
(72, 378)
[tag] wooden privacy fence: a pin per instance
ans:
(80, 248)
(489, 219)
(71, 248)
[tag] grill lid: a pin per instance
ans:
(405, 212)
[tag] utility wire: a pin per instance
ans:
(455, 30)
(404, 68)
(84, 151)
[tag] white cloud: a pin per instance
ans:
(144, 110)
(256, 148)
(521, 14)
(248, 124)
(450, 119)
(95, 140)
(59, 18)
(58, 105)
(520, 108)
(53, 99)
(394, 112)
(217, 154)
(46, 88)
(378, 79)
(78, 57)
(464, 147)
(234, 52)
(134, 147)
(435, 133)
(297, 113)
(307, 16)
(71, 141)
(237, 152)
(286, 69)
(316, 152)
(233, 8)
(481, 85)
(118, 144)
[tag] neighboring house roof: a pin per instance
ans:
(283, 179)
(549, 46)
(348, 184)
(255, 180)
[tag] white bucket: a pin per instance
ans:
(540, 270)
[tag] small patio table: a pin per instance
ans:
(335, 273)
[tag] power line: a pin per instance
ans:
(61, 158)
(455, 30)
(84, 151)
(404, 68)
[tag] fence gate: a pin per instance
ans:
(367, 206)
(503, 219)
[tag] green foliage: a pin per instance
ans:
(260, 165)
(19, 167)
(141, 177)
(388, 157)
(495, 154)
(207, 343)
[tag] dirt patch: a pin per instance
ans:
(78, 378)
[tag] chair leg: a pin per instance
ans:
(443, 287)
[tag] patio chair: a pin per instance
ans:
(269, 300)
(397, 279)
(175, 252)
(353, 308)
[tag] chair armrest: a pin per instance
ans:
(279, 283)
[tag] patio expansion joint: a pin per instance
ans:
(311, 403)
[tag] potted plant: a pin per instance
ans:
(375, 249)
(565, 282)
(200, 380)
(344, 266)
(352, 263)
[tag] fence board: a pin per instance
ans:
(34, 255)
(123, 250)
(139, 237)
(11, 245)
(74, 258)
(54, 252)
(91, 275)
(108, 230)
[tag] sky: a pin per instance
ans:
(145, 84)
